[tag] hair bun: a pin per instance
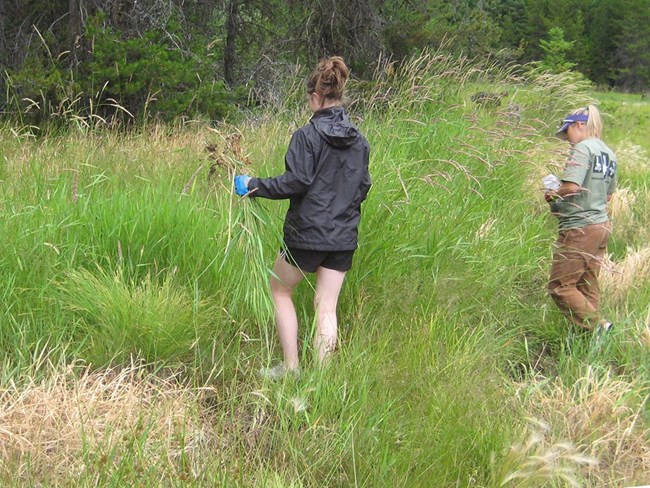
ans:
(329, 78)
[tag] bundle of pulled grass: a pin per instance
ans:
(248, 224)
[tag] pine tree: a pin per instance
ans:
(555, 51)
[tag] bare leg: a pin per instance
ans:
(328, 287)
(282, 284)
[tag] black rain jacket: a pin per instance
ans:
(326, 178)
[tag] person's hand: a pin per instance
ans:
(550, 195)
(241, 185)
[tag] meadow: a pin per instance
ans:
(135, 311)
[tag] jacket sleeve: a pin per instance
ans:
(298, 174)
(366, 182)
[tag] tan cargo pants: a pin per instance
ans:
(573, 283)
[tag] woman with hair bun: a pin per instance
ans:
(580, 204)
(326, 178)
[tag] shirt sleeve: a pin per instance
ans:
(611, 188)
(577, 165)
(297, 177)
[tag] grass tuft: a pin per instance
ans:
(536, 461)
(119, 320)
(619, 279)
(603, 415)
(80, 425)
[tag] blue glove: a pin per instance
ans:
(241, 185)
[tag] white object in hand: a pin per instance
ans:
(551, 182)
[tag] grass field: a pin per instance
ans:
(135, 309)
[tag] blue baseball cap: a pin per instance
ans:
(568, 120)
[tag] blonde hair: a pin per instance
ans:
(594, 122)
(329, 78)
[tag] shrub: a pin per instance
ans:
(122, 78)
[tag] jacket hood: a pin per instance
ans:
(334, 126)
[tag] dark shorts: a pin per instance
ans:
(308, 261)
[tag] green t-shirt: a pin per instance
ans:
(592, 166)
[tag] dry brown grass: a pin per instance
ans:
(633, 158)
(629, 218)
(48, 427)
(485, 229)
(602, 416)
(144, 153)
(620, 206)
(617, 279)
(536, 461)
(644, 336)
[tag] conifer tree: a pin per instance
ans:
(555, 51)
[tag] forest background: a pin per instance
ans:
(128, 59)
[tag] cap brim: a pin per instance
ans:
(561, 133)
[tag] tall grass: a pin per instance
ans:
(131, 270)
